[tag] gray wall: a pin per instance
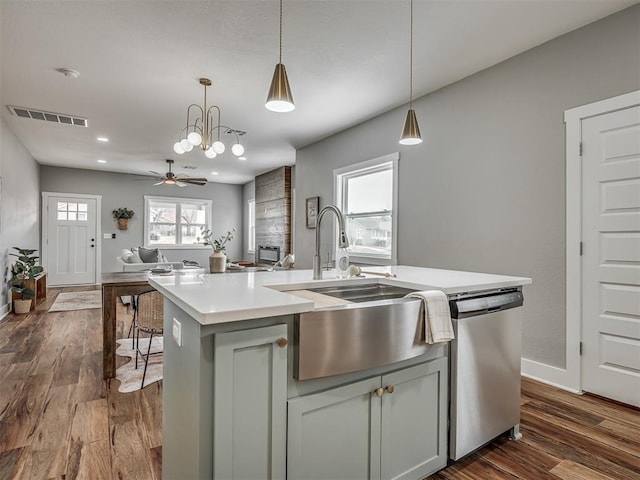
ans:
(485, 191)
(122, 190)
(19, 204)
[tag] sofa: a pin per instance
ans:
(136, 259)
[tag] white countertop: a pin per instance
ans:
(237, 296)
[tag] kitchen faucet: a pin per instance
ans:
(342, 238)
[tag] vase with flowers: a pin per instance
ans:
(218, 259)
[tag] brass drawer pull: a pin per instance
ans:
(390, 389)
(378, 391)
(282, 342)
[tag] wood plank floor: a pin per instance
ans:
(59, 419)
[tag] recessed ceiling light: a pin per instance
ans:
(242, 158)
(102, 161)
(214, 173)
(102, 139)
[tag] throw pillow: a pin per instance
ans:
(149, 255)
(135, 258)
(129, 256)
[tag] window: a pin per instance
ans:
(75, 212)
(175, 221)
(367, 195)
(252, 226)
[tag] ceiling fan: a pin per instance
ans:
(180, 180)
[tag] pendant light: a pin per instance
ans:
(411, 131)
(279, 98)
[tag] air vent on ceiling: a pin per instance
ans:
(189, 167)
(237, 132)
(48, 116)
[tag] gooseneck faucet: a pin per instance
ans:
(342, 238)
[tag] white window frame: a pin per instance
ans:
(251, 242)
(371, 166)
(178, 201)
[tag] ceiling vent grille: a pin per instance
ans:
(48, 116)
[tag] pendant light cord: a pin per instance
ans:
(410, 59)
(280, 61)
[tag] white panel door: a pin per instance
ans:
(71, 240)
(611, 259)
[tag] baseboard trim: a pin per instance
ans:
(554, 376)
(4, 310)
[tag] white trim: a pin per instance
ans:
(570, 377)
(4, 309)
(545, 373)
(392, 158)
(45, 231)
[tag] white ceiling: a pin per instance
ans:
(347, 61)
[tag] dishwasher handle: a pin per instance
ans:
(472, 307)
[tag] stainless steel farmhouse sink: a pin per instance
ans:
(380, 327)
(363, 293)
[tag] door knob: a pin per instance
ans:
(378, 391)
(390, 389)
(282, 342)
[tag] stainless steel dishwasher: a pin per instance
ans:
(484, 368)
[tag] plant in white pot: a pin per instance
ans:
(218, 259)
(23, 269)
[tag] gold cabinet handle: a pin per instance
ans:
(379, 391)
(390, 389)
(282, 342)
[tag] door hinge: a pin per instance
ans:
(580, 148)
(581, 248)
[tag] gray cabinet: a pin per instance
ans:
(250, 403)
(389, 427)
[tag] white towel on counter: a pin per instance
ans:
(437, 317)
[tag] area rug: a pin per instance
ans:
(131, 378)
(77, 301)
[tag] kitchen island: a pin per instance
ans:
(233, 407)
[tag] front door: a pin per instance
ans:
(71, 240)
(611, 258)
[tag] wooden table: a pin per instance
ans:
(115, 285)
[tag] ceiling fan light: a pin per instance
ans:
(411, 131)
(279, 98)
(177, 147)
(209, 153)
(194, 138)
(218, 147)
(237, 149)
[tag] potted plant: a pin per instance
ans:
(123, 215)
(218, 259)
(23, 269)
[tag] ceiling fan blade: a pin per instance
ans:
(156, 173)
(159, 183)
(195, 181)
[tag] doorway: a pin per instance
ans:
(70, 234)
(603, 249)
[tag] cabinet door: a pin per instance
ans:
(335, 434)
(414, 421)
(250, 404)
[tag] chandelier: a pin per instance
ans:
(201, 130)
